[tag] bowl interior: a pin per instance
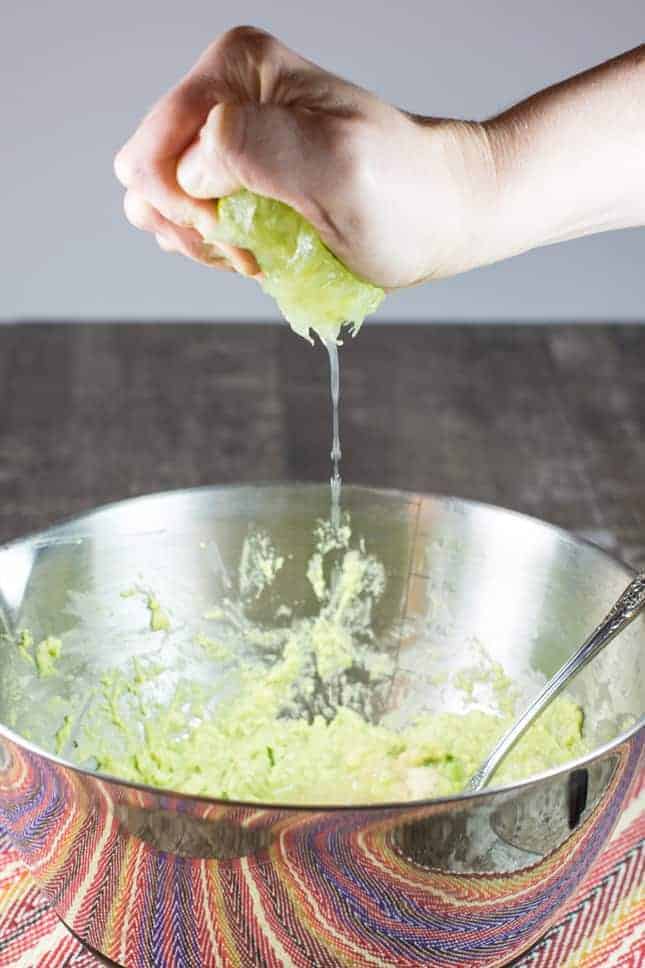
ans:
(465, 584)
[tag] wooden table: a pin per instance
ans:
(548, 419)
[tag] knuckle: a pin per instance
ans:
(133, 172)
(222, 133)
(123, 167)
(137, 211)
(245, 39)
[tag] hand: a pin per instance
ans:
(398, 199)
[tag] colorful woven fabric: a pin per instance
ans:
(602, 925)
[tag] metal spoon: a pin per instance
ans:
(628, 606)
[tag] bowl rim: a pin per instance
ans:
(40, 538)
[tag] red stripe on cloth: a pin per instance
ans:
(615, 879)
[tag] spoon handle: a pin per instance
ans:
(624, 611)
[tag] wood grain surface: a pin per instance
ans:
(546, 419)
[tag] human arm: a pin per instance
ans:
(398, 198)
(570, 161)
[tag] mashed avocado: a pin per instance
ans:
(42, 656)
(312, 288)
(250, 751)
(307, 719)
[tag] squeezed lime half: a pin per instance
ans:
(312, 288)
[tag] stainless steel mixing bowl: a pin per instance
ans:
(152, 878)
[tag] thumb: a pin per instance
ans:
(202, 170)
(271, 149)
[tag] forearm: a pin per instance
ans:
(569, 161)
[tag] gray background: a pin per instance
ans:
(77, 75)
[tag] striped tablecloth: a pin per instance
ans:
(603, 925)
